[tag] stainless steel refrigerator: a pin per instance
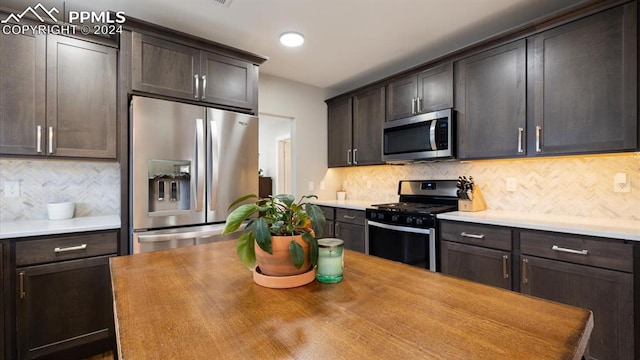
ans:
(188, 163)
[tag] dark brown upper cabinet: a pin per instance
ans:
(81, 98)
(22, 99)
(426, 91)
(172, 69)
(583, 85)
(571, 89)
(62, 100)
(355, 128)
(339, 129)
(491, 103)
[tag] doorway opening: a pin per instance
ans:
(283, 165)
(276, 156)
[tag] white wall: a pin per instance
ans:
(305, 104)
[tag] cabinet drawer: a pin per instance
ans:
(600, 252)
(350, 216)
(482, 235)
(328, 212)
(65, 247)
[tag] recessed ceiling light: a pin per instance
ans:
(291, 39)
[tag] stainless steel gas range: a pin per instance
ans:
(406, 231)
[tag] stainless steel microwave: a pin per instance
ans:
(426, 136)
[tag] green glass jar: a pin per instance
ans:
(330, 260)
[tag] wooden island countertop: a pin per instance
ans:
(200, 302)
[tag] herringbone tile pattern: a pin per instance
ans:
(93, 186)
(578, 185)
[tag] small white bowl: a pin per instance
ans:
(60, 211)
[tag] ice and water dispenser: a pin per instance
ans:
(169, 185)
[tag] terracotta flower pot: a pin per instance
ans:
(279, 263)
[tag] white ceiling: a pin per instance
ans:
(348, 42)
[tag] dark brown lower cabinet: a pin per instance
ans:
(590, 272)
(329, 224)
(607, 293)
(349, 226)
(329, 227)
(64, 306)
(482, 265)
(352, 235)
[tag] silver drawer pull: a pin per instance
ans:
(70, 248)
(570, 251)
(473, 236)
(349, 217)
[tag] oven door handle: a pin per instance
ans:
(399, 228)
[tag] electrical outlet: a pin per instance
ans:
(621, 183)
(311, 186)
(512, 184)
(321, 185)
(11, 189)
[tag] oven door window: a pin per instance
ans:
(406, 247)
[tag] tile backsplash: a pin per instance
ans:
(93, 186)
(576, 185)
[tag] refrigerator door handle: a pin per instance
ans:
(213, 164)
(200, 156)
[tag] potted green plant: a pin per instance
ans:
(282, 238)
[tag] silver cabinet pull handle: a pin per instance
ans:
(39, 139)
(473, 236)
(355, 156)
(570, 251)
(70, 248)
(538, 135)
(349, 157)
(419, 106)
(520, 136)
(413, 106)
(524, 271)
(349, 217)
(204, 86)
(197, 79)
(50, 139)
(21, 281)
(505, 263)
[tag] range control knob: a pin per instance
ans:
(409, 220)
(419, 221)
(395, 218)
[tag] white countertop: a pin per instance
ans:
(347, 204)
(23, 228)
(602, 227)
(610, 228)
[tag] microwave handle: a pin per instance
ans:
(432, 135)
